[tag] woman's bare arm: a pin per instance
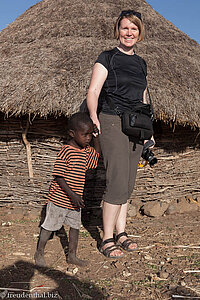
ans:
(98, 78)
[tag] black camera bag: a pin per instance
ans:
(138, 122)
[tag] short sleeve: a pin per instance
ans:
(92, 158)
(104, 59)
(59, 167)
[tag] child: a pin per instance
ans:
(66, 191)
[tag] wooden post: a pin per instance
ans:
(28, 150)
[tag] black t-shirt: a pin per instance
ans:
(126, 80)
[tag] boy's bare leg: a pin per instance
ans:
(73, 245)
(39, 254)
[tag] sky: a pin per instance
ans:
(184, 14)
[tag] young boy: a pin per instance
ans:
(66, 191)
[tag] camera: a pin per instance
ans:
(147, 154)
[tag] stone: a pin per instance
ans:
(182, 205)
(173, 208)
(163, 274)
(132, 211)
(134, 207)
(154, 208)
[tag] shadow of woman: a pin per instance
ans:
(15, 283)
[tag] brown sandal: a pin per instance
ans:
(125, 244)
(107, 251)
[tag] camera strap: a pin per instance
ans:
(150, 101)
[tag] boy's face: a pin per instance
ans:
(82, 136)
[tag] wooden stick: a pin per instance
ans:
(184, 297)
(192, 271)
(28, 150)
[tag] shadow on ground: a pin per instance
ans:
(19, 275)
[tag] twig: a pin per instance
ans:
(160, 190)
(145, 230)
(192, 271)
(165, 246)
(101, 266)
(13, 290)
(175, 157)
(81, 294)
(193, 289)
(158, 233)
(184, 297)
(24, 290)
(186, 246)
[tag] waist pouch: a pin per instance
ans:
(138, 122)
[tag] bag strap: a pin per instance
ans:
(151, 105)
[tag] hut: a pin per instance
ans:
(46, 61)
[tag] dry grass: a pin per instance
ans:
(47, 54)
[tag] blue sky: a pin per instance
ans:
(184, 14)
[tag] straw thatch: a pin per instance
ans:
(47, 54)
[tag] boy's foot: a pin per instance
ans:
(76, 261)
(39, 259)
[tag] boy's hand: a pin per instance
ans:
(95, 130)
(77, 200)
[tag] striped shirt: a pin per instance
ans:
(71, 164)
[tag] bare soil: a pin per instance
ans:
(168, 247)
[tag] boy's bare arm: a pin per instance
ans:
(97, 146)
(76, 199)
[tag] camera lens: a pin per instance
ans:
(152, 161)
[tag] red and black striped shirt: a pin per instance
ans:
(71, 164)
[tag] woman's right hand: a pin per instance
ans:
(95, 120)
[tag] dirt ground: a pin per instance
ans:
(169, 249)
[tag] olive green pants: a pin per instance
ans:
(121, 157)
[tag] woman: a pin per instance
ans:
(118, 74)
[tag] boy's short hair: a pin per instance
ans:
(75, 121)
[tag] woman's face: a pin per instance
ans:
(128, 33)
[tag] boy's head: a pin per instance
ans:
(80, 129)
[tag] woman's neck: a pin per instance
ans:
(126, 50)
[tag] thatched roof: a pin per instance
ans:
(47, 54)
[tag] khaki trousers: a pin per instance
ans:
(121, 157)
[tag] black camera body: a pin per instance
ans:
(148, 155)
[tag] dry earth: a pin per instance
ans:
(169, 249)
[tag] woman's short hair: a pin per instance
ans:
(134, 19)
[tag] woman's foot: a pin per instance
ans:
(123, 241)
(110, 250)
